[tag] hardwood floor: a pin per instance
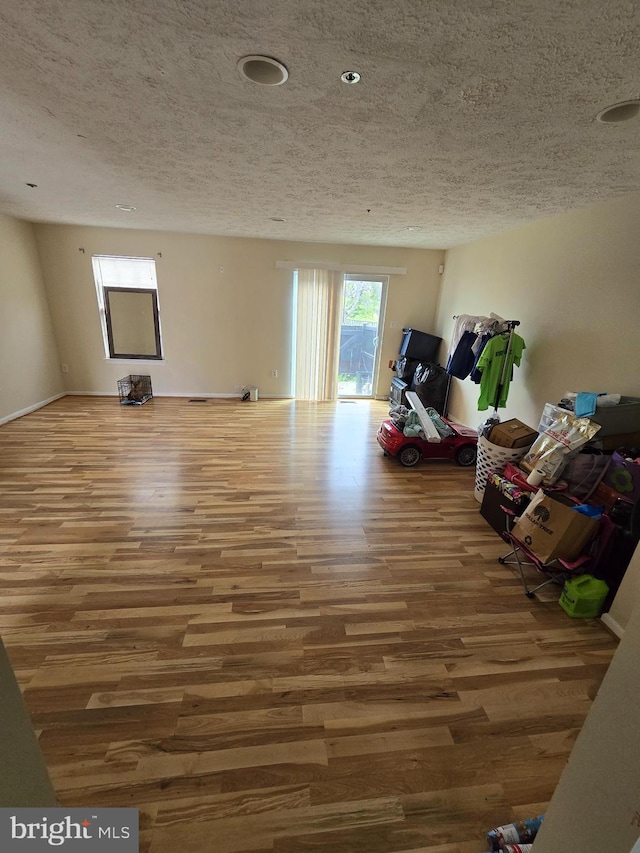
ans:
(244, 620)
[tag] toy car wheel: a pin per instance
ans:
(466, 456)
(409, 456)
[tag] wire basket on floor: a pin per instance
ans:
(134, 390)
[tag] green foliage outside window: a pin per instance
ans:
(361, 302)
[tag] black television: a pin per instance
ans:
(419, 345)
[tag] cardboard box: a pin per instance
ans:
(513, 433)
(550, 528)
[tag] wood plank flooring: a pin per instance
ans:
(244, 620)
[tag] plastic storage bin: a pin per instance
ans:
(549, 414)
(620, 419)
(583, 597)
(614, 420)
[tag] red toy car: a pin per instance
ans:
(462, 446)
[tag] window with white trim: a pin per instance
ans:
(127, 291)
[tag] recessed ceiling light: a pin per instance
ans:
(277, 219)
(414, 227)
(127, 207)
(617, 113)
(350, 77)
(263, 70)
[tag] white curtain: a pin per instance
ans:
(318, 333)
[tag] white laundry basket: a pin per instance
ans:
(491, 458)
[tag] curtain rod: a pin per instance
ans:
(340, 267)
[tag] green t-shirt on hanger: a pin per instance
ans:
(490, 363)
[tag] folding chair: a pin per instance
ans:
(557, 570)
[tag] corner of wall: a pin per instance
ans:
(27, 337)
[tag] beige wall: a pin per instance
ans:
(574, 283)
(628, 596)
(29, 364)
(221, 327)
(596, 804)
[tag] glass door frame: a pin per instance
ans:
(384, 281)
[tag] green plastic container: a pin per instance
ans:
(583, 597)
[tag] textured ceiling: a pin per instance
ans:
(471, 116)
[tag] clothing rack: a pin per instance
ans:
(510, 325)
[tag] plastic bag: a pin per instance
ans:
(589, 510)
(487, 425)
(584, 472)
(551, 450)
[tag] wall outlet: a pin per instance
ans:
(236, 389)
(65, 368)
(274, 373)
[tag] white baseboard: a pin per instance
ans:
(115, 394)
(30, 409)
(612, 625)
(91, 394)
(229, 396)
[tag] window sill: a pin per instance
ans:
(145, 361)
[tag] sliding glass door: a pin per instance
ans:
(337, 330)
(361, 316)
